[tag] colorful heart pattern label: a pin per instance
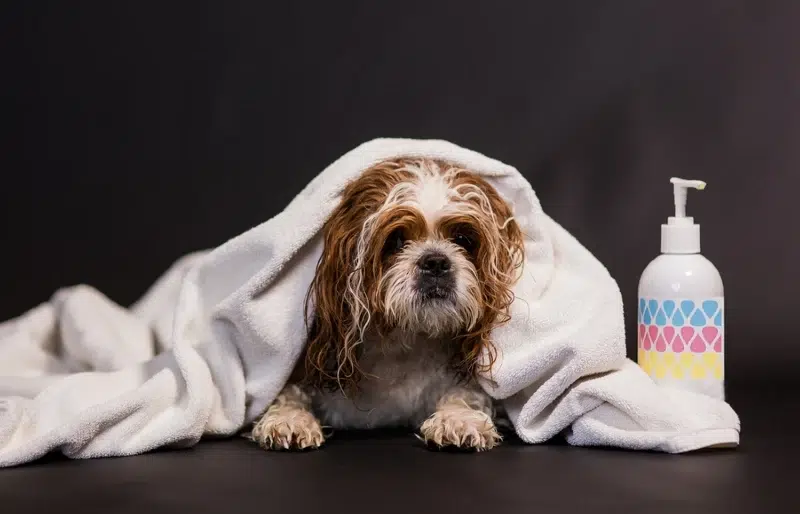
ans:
(681, 338)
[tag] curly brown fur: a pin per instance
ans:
(335, 333)
(416, 272)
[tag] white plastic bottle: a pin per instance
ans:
(681, 323)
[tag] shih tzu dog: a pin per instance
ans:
(416, 271)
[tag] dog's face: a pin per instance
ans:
(416, 246)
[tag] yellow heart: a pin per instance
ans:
(710, 359)
(649, 358)
(661, 369)
(698, 371)
(677, 371)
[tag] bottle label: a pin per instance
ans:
(682, 339)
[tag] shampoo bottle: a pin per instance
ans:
(681, 317)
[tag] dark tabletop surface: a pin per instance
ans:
(390, 472)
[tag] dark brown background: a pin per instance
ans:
(134, 132)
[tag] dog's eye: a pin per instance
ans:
(395, 242)
(464, 241)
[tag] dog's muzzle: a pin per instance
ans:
(436, 280)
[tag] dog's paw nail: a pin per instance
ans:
(460, 428)
(294, 431)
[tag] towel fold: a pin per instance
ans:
(213, 341)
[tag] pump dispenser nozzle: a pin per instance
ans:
(679, 190)
(681, 234)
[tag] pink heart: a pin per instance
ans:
(669, 333)
(686, 334)
(646, 341)
(677, 345)
(661, 344)
(710, 334)
(698, 345)
(653, 331)
(718, 346)
(642, 329)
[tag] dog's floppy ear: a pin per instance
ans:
(337, 304)
(330, 349)
(497, 263)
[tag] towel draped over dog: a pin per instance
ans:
(214, 340)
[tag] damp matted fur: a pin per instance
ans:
(416, 271)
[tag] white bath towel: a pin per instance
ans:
(209, 346)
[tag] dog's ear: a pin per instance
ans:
(330, 349)
(338, 304)
(498, 262)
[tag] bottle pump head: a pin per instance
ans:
(681, 234)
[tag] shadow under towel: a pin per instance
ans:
(213, 341)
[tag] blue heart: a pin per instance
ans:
(669, 307)
(677, 319)
(661, 320)
(710, 308)
(687, 306)
(718, 319)
(652, 305)
(646, 317)
(698, 320)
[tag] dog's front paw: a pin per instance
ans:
(291, 429)
(462, 428)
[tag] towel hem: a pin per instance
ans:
(704, 440)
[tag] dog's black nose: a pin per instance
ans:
(434, 264)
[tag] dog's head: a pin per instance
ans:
(416, 246)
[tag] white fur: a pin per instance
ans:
(404, 306)
(407, 379)
(431, 192)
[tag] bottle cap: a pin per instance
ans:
(681, 234)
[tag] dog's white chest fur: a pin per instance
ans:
(401, 386)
